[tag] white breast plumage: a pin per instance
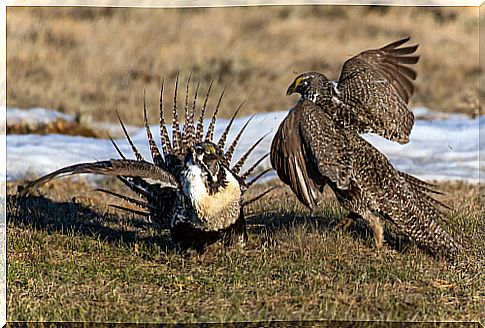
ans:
(215, 210)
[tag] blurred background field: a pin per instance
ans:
(71, 257)
(88, 61)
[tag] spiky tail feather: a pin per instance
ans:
(230, 151)
(189, 128)
(156, 157)
(212, 125)
(200, 123)
(244, 157)
(176, 135)
(164, 138)
(139, 203)
(133, 147)
(261, 195)
(222, 140)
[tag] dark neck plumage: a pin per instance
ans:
(215, 177)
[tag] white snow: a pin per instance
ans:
(35, 115)
(443, 147)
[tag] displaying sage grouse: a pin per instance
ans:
(190, 186)
(318, 144)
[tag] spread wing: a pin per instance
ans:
(120, 167)
(329, 148)
(377, 85)
(288, 159)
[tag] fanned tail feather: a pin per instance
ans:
(212, 125)
(165, 139)
(156, 185)
(133, 147)
(200, 123)
(156, 157)
(222, 140)
(244, 157)
(230, 152)
(175, 122)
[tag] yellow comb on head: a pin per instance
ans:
(211, 149)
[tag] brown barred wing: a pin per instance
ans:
(328, 151)
(375, 86)
(289, 161)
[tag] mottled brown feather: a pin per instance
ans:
(289, 162)
(377, 86)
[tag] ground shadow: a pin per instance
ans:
(269, 223)
(45, 214)
(38, 212)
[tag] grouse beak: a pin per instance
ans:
(291, 89)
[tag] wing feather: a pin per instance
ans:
(288, 159)
(328, 149)
(120, 167)
(377, 86)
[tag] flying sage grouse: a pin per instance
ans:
(318, 144)
(190, 186)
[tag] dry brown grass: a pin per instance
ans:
(59, 126)
(81, 261)
(92, 60)
(77, 259)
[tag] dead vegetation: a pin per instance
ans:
(92, 60)
(59, 126)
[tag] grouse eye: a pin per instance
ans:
(198, 149)
(210, 150)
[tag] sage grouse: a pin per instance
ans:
(318, 144)
(190, 186)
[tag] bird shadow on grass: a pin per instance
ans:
(40, 213)
(270, 223)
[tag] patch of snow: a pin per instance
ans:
(442, 149)
(35, 116)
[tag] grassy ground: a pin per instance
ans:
(92, 60)
(76, 259)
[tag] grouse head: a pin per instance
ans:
(310, 85)
(208, 156)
